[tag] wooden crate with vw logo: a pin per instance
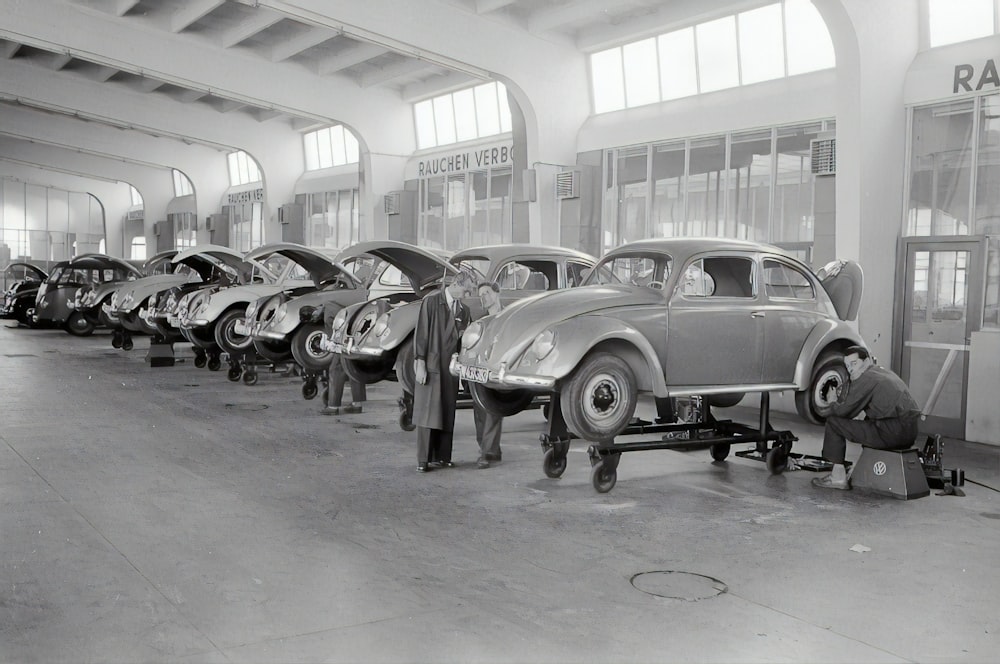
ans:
(896, 473)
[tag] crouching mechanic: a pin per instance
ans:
(891, 415)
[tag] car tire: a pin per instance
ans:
(404, 366)
(225, 335)
(306, 350)
(21, 314)
(599, 399)
(368, 372)
(79, 325)
(829, 372)
(500, 402)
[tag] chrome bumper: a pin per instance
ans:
(504, 378)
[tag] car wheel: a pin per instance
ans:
(369, 371)
(78, 325)
(225, 335)
(599, 399)
(306, 350)
(500, 402)
(404, 366)
(828, 374)
(21, 314)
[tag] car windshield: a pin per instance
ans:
(479, 265)
(634, 269)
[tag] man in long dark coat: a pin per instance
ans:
(442, 319)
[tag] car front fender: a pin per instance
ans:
(402, 323)
(826, 334)
(578, 336)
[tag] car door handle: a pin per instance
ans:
(757, 314)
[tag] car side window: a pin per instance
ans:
(719, 276)
(785, 281)
(576, 273)
(515, 276)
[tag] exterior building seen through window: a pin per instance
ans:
(332, 218)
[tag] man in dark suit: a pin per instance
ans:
(442, 319)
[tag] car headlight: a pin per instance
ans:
(472, 334)
(543, 344)
(339, 320)
(381, 325)
(114, 300)
(126, 301)
(280, 312)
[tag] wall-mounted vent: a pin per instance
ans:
(568, 184)
(136, 215)
(157, 228)
(823, 152)
(391, 202)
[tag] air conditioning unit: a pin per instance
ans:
(391, 202)
(823, 156)
(568, 184)
(157, 228)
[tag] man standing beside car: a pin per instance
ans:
(489, 427)
(442, 319)
(891, 415)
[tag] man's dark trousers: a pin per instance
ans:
(889, 434)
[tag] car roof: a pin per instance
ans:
(101, 262)
(686, 246)
(501, 252)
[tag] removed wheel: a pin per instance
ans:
(306, 350)
(504, 403)
(599, 399)
(603, 476)
(404, 365)
(368, 372)
(309, 390)
(777, 459)
(720, 451)
(78, 325)
(226, 337)
(553, 464)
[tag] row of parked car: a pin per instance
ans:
(707, 317)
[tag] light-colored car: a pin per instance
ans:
(520, 270)
(274, 321)
(211, 315)
(675, 317)
(199, 265)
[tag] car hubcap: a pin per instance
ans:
(604, 397)
(313, 347)
(828, 382)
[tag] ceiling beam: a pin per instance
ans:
(404, 68)
(191, 11)
(102, 73)
(264, 114)
(59, 60)
(488, 6)
(349, 58)
(311, 37)
(261, 20)
(9, 49)
(227, 105)
(148, 85)
(544, 20)
(122, 6)
(438, 85)
(189, 96)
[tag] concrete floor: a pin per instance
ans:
(168, 515)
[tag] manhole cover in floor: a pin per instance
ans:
(246, 406)
(678, 585)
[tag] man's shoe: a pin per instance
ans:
(443, 464)
(331, 410)
(494, 457)
(483, 463)
(828, 482)
(422, 468)
(350, 410)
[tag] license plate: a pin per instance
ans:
(475, 374)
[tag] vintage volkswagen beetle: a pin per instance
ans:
(56, 303)
(24, 280)
(521, 270)
(674, 317)
(274, 321)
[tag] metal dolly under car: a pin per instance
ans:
(245, 366)
(684, 424)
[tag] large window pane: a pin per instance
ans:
(312, 151)
(632, 194)
(501, 186)
(642, 85)
(325, 148)
(704, 186)
(423, 115)
(793, 189)
(608, 80)
(444, 119)
(465, 115)
(762, 51)
(941, 148)
(717, 65)
(337, 148)
(432, 231)
(487, 109)
(678, 71)
(987, 210)
(807, 39)
(951, 21)
(457, 206)
(668, 190)
(749, 186)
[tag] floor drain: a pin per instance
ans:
(246, 406)
(687, 586)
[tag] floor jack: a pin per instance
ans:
(245, 365)
(939, 477)
(684, 423)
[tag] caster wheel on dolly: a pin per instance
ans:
(214, 364)
(250, 377)
(309, 390)
(200, 360)
(603, 476)
(234, 373)
(554, 465)
(720, 451)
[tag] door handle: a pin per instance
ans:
(757, 314)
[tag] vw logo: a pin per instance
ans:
(879, 468)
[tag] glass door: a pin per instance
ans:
(941, 308)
